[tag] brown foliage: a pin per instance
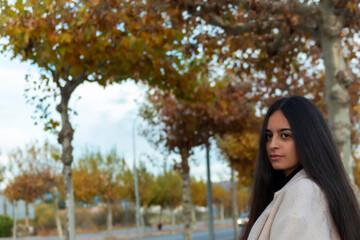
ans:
(189, 123)
(277, 46)
(35, 169)
(29, 186)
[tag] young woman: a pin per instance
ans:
(301, 190)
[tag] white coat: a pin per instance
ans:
(299, 211)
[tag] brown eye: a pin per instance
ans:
(268, 136)
(286, 135)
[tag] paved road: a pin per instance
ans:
(220, 234)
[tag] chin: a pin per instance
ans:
(278, 168)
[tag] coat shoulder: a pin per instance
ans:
(303, 194)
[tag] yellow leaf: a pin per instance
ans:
(65, 38)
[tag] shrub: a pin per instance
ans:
(84, 219)
(99, 216)
(6, 225)
(44, 216)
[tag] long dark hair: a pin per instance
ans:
(319, 158)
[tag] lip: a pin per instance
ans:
(275, 157)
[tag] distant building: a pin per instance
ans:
(7, 208)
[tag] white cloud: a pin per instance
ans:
(105, 118)
(219, 170)
(111, 103)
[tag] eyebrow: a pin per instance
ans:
(281, 130)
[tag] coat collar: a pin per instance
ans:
(300, 175)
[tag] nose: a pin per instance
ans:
(274, 143)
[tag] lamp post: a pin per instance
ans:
(137, 201)
(209, 195)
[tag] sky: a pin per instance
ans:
(104, 121)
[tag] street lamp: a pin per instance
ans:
(209, 195)
(137, 201)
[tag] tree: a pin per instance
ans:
(73, 42)
(219, 197)
(146, 185)
(29, 186)
(167, 192)
(285, 48)
(198, 192)
(185, 126)
(103, 176)
(180, 124)
(240, 150)
(243, 198)
(2, 173)
(35, 169)
(198, 195)
(86, 178)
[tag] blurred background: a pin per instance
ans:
(123, 119)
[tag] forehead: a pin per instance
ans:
(277, 120)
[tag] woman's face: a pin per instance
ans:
(280, 144)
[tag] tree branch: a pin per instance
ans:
(311, 29)
(240, 28)
(56, 79)
(308, 16)
(331, 3)
(71, 85)
(273, 8)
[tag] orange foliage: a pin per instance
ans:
(219, 193)
(29, 186)
(240, 150)
(207, 112)
(36, 172)
(198, 192)
(102, 176)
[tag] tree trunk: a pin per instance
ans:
(27, 225)
(69, 202)
(57, 216)
(193, 214)
(186, 196)
(5, 206)
(160, 214)
(142, 217)
(172, 220)
(337, 80)
(109, 218)
(234, 204)
(14, 219)
(159, 225)
(222, 218)
(65, 139)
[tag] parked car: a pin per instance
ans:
(243, 219)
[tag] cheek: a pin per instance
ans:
(267, 148)
(294, 154)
